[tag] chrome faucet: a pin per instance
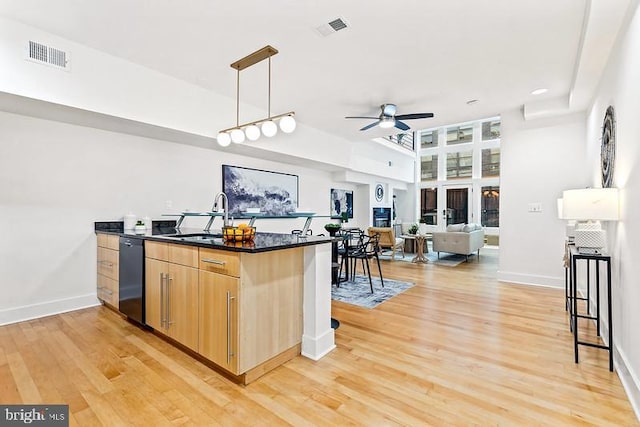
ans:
(224, 207)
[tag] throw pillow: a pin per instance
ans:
(455, 227)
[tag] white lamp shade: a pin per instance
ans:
(224, 139)
(591, 204)
(287, 124)
(237, 136)
(269, 128)
(253, 132)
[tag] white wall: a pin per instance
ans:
(539, 159)
(620, 87)
(56, 179)
(105, 84)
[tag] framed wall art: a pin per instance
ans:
(341, 201)
(274, 193)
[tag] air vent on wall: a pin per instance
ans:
(44, 54)
(332, 27)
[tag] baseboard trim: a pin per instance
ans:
(629, 380)
(49, 308)
(529, 279)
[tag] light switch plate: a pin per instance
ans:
(535, 207)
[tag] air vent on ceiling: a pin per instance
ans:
(332, 27)
(44, 54)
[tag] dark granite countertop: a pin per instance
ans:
(163, 231)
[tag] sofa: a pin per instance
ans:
(463, 239)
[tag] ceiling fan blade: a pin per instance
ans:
(401, 126)
(414, 116)
(371, 125)
(360, 117)
(388, 109)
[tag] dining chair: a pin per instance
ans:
(368, 248)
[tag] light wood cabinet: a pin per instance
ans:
(250, 306)
(241, 311)
(107, 279)
(171, 291)
(218, 319)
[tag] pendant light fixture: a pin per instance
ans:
(266, 126)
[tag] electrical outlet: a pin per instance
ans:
(535, 207)
(168, 204)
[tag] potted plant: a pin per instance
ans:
(140, 227)
(332, 228)
(413, 229)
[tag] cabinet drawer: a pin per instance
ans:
(176, 254)
(183, 255)
(218, 261)
(108, 290)
(110, 241)
(108, 263)
(156, 250)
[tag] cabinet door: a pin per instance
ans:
(218, 319)
(182, 306)
(156, 273)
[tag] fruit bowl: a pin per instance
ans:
(241, 233)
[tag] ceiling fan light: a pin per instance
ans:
(269, 128)
(237, 136)
(287, 124)
(387, 122)
(252, 132)
(224, 139)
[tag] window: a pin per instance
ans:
(491, 130)
(459, 165)
(459, 134)
(429, 168)
(490, 209)
(429, 206)
(429, 138)
(490, 162)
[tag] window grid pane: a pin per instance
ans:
(429, 168)
(459, 134)
(491, 130)
(490, 162)
(429, 138)
(429, 206)
(490, 206)
(459, 165)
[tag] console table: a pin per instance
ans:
(572, 297)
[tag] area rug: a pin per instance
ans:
(448, 260)
(358, 292)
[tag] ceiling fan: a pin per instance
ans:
(388, 118)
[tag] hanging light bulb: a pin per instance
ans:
(237, 136)
(253, 132)
(287, 124)
(269, 128)
(224, 139)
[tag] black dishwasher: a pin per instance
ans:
(132, 278)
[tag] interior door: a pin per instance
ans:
(457, 206)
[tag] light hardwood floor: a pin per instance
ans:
(458, 348)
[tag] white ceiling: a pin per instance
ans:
(423, 55)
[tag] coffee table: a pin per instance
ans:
(420, 239)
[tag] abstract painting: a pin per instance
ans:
(341, 201)
(274, 193)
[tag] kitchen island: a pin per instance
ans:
(245, 307)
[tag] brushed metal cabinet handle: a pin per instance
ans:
(213, 261)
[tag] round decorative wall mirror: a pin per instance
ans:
(608, 148)
(379, 192)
